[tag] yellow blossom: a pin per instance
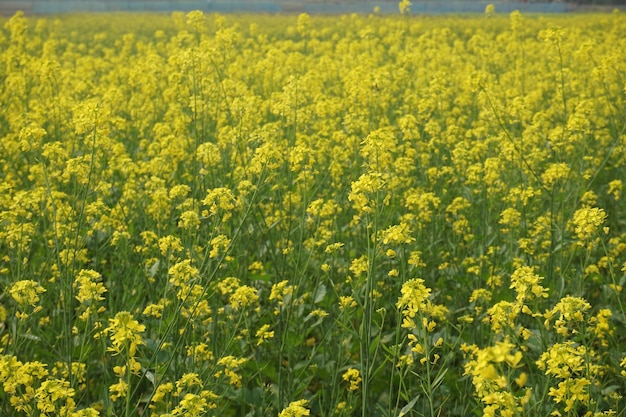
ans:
(296, 409)
(353, 377)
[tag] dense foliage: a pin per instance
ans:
(329, 216)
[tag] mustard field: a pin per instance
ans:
(206, 215)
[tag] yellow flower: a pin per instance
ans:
(526, 283)
(510, 217)
(501, 316)
(296, 409)
(182, 273)
(26, 292)
(346, 301)
(50, 392)
(188, 381)
(569, 310)
(413, 298)
(563, 360)
(170, 245)
(615, 189)
(200, 352)
(243, 296)
(160, 393)
(196, 20)
(333, 247)
(219, 244)
(280, 290)
(220, 201)
(554, 173)
(404, 6)
(571, 391)
(304, 21)
(353, 377)
(89, 288)
(124, 333)
(189, 220)
(231, 364)
(363, 189)
(586, 221)
(192, 405)
(118, 390)
(155, 310)
(359, 266)
(397, 234)
(263, 334)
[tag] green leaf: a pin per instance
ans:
(407, 407)
(320, 293)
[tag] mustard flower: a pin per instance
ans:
(397, 234)
(200, 352)
(281, 290)
(333, 247)
(378, 149)
(160, 393)
(501, 316)
(404, 6)
(415, 259)
(196, 19)
(169, 245)
(189, 220)
(219, 244)
(526, 283)
(510, 217)
(26, 292)
(231, 364)
(183, 273)
(517, 21)
(192, 405)
(296, 409)
(353, 377)
(86, 412)
(346, 301)
(489, 368)
(422, 203)
(363, 189)
(569, 310)
(359, 266)
(563, 360)
(414, 295)
(118, 390)
(244, 296)
(553, 34)
(155, 310)
(124, 333)
(304, 21)
(586, 222)
(263, 334)
(90, 291)
(220, 201)
(554, 173)
(571, 391)
(188, 381)
(601, 325)
(50, 392)
(79, 372)
(615, 189)
(228, 285)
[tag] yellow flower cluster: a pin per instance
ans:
(296, 215)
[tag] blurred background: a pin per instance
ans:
(36, 7)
